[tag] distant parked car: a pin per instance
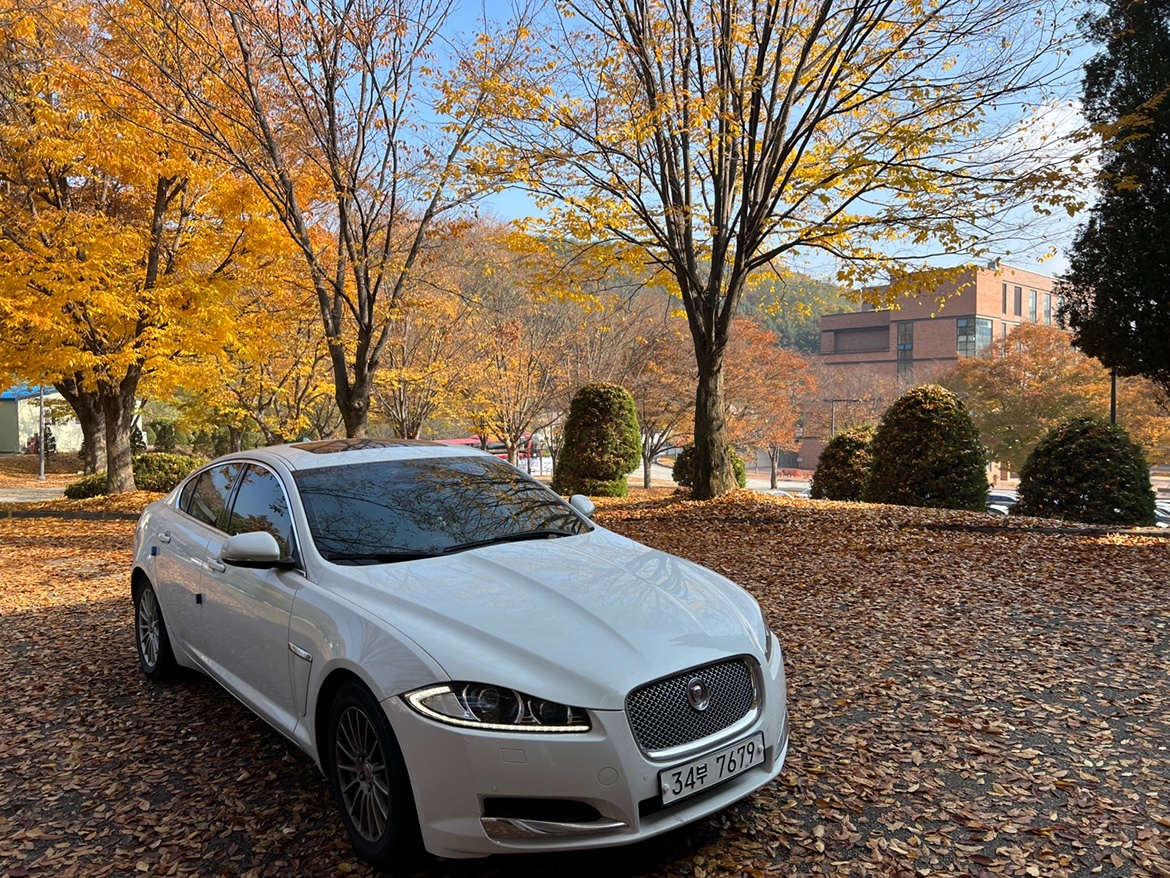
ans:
(1001, 502)
(466, 656)
(1162, 513)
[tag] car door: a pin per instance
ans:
(182, 548)
(245, 611)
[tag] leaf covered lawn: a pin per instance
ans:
(963, 702)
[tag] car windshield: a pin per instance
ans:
(398, 510)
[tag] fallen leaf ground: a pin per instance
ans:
(20, 470)
(963, 703)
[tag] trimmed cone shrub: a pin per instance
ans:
(843, 466)
(683, 471)
(1087, 469)
(602, 443)
(153, 471)
(926, 452)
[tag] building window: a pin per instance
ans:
(1019, 296)
(1003, 330)
(973, 335)
(1048, 309)
(905, 349)
(1032, 305)
(1005, 298)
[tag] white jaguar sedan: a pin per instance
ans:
(469, 659)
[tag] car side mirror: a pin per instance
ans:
(256, 550)
(582, 504)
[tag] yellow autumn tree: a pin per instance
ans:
(273, 376)
(361, 123)
(716, 136)
(118, 244)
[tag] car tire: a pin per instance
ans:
(153, 644)
(369, 781)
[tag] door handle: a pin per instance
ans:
(217, 565)
(164, 537)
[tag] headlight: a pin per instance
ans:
(481, 706)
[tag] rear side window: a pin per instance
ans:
(261, 504)
(208, 500)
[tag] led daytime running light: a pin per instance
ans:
(454, 697)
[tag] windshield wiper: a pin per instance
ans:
(543, 534)
(376, 557)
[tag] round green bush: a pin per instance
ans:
(843, 466)
(159, 471)
(926, 452)
(602, 442)
(93, 485)
(153, 471)
(683, 471)
(1087, 469)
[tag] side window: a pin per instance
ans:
(188, 493)
(210, 495)
(261, 504)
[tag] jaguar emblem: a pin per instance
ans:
(697, 695)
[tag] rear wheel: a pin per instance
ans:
(369, 780)
(150, 633)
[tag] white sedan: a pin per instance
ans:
(469, 659)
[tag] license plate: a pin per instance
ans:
(707, 771)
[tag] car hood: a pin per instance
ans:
(581, 620)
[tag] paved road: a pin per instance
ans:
(661, 475)
(29, 495)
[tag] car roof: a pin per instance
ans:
(343, 452)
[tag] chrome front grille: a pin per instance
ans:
(662, 717)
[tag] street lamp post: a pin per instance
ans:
(41, 434)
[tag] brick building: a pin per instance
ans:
(894, 349)
(929, 332)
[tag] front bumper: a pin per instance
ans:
(455, 772)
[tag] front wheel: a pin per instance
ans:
(154, 645)
(369, 780)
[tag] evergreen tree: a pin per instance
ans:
(1116, 296)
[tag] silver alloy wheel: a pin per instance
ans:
(149, 620)
(362, 773)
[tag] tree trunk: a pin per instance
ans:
(235, 439)
(118, 409)
(774, 458)
(646, 461)
(86, 404)
(355, 410)
(713, 471)
(511, 445)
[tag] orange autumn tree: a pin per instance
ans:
(118, 244)
(1025, 384)
(766, 386)
(663, 381)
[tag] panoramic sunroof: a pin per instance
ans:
(335, 446)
